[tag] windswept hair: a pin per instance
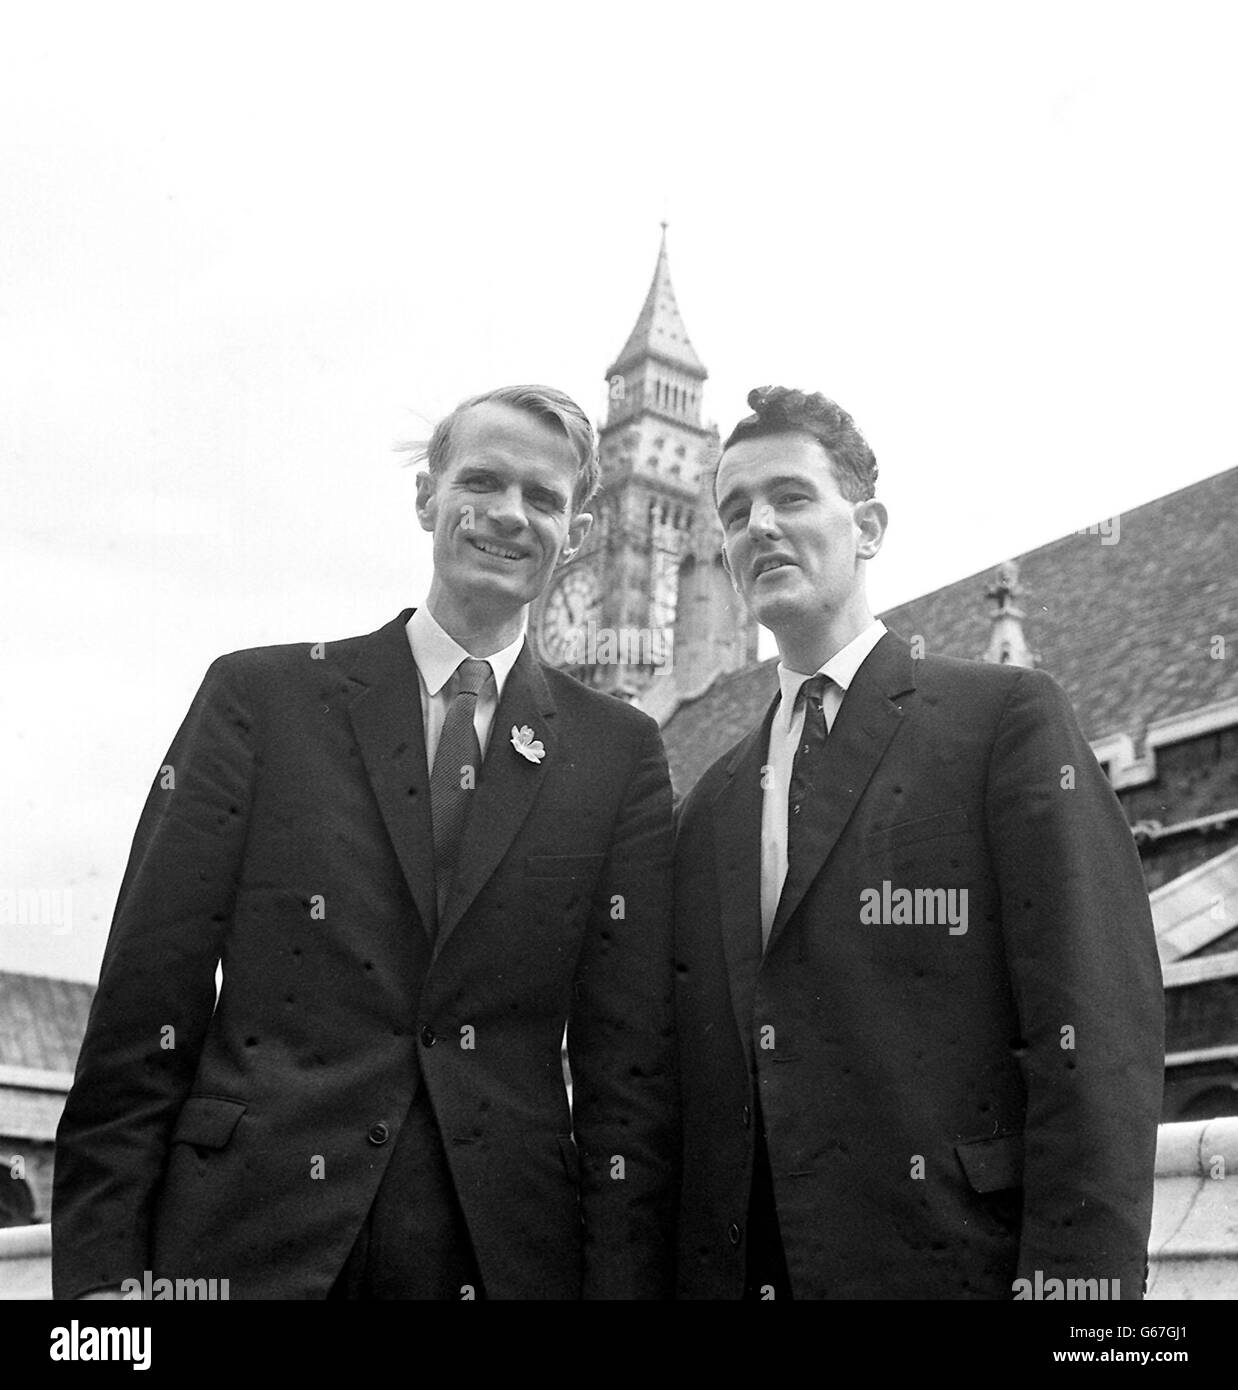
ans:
(542, 402)
(780, 410)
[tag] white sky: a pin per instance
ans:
(243, 250)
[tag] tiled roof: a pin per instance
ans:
(701, 730)
(42, 1021)
(1126, 627)
(660, 330)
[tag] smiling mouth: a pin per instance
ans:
(499, 552)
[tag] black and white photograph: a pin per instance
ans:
(621, 635)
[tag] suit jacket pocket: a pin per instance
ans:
(562, 865)
(924, 828)
(992, 1165)
(207, 1122)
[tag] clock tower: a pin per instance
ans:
(616, 617)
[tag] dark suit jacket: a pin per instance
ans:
(247, 1139)
(1016, 1066)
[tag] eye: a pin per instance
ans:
(546, 501)
(735, 517)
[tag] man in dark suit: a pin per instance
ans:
(375, 1105)
(919, 1002)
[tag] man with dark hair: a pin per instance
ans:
(418, 855)
(919, 1002)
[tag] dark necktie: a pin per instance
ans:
(806, 769)
(457, 765)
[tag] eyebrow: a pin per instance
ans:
(797, 479)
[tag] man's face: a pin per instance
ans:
(501, 510)
(792, 541)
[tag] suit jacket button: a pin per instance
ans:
(379, 1133)
(747, 1118)
(732, 1233)
(427, 1036)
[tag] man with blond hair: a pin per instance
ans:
(418, 855)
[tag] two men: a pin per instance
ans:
(919, 1003)
(417, 856)
(409, 902)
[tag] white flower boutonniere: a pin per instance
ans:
(526, 745)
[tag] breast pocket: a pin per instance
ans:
(910, 832)
(563, 865)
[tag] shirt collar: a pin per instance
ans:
(840, 668)
(438, 655)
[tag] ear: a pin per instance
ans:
(581, 525)
(870, 519)
(427, 502)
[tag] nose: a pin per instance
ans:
(506, 509)
(761, 521)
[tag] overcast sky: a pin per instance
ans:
(245, 249)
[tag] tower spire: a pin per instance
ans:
(657, 460)
(659, 333)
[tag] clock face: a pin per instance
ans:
(572, 603)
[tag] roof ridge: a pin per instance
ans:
(723, 680)
(1081, 535)
(51, 979)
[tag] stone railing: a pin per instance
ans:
(1193, 1249)
(26, 1262)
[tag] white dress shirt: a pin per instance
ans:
(784, 736)
(438, 657)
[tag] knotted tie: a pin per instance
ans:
(457, 765)
(806, 767)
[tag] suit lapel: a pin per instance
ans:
(866, 722)
(737, 842)
(386, 717)
(505, 792)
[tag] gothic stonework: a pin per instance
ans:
(655, 513)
